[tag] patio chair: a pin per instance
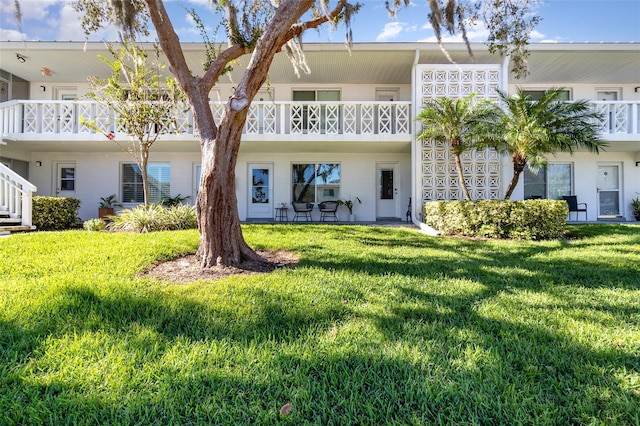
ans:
(574, 206)
(302, 210)
(327, 210)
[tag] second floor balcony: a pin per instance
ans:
(268, 121)
(304, 121)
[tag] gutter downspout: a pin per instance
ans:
(415, 158)
(504, 163)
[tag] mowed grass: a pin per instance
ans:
(374, 326)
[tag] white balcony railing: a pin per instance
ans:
(25, 118)
(620, 117)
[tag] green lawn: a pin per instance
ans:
(374, 326)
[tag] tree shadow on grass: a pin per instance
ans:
(439, 361)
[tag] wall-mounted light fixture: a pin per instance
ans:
(21, 58)
(38, 163)
(637, 159)
(43, 88)
(636, 89)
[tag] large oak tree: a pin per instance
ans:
(260, 28)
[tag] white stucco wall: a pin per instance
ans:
(98, 175)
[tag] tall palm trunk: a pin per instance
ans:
(463, 184)
(519, 163)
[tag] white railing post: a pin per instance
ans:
(27, 208)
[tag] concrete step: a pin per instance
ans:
(7, 221)
(5, 230)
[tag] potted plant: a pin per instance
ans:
(349, 204)
(106, 206)
(635, 208)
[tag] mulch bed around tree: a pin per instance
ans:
(186, 269)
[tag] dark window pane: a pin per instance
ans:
(67, 185)
(260, 195)
(386, 184)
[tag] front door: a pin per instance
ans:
(608, 190)
(260, 202)
(388, 189)
(65, 182)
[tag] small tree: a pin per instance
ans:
(530, 129)
(461, 123)
(143, 100)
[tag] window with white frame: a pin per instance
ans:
(536, 95)
(316, 182)
(158, 175)
(552, 181)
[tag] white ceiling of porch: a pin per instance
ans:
(380, 63)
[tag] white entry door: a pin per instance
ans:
(388, 190)
(260, 202)
(608, 190)
(65, 181)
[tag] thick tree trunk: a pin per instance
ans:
(221, 239)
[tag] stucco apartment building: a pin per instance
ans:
(346, 130)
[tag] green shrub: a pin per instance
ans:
(181, 217)
(523, 220)
(94, 225)
(155, 218)
(55, 213)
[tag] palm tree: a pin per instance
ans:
(531, 129)
(460, 122)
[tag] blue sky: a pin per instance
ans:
(562, 21)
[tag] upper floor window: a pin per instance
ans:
(315, 183)
(316, 119)
(159, 177)
(552, 181)
(536, 95)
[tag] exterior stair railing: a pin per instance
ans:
(16, 196)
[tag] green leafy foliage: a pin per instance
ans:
(55, 213)
(174, 201)
(94, 225)
(522, 220)
(462, 123)
(145, 103)
(530, 129)
(154, 217)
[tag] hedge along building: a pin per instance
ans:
(346, 130)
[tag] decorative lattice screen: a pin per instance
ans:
(481, 169)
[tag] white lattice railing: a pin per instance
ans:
(16, 195)
(20, 117)
(620, 117)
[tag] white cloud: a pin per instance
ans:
(11, 35)
(69, 25)
(536, 35)
(391, 30)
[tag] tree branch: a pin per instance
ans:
(217, 67)
(297, 29)
(170, 44)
